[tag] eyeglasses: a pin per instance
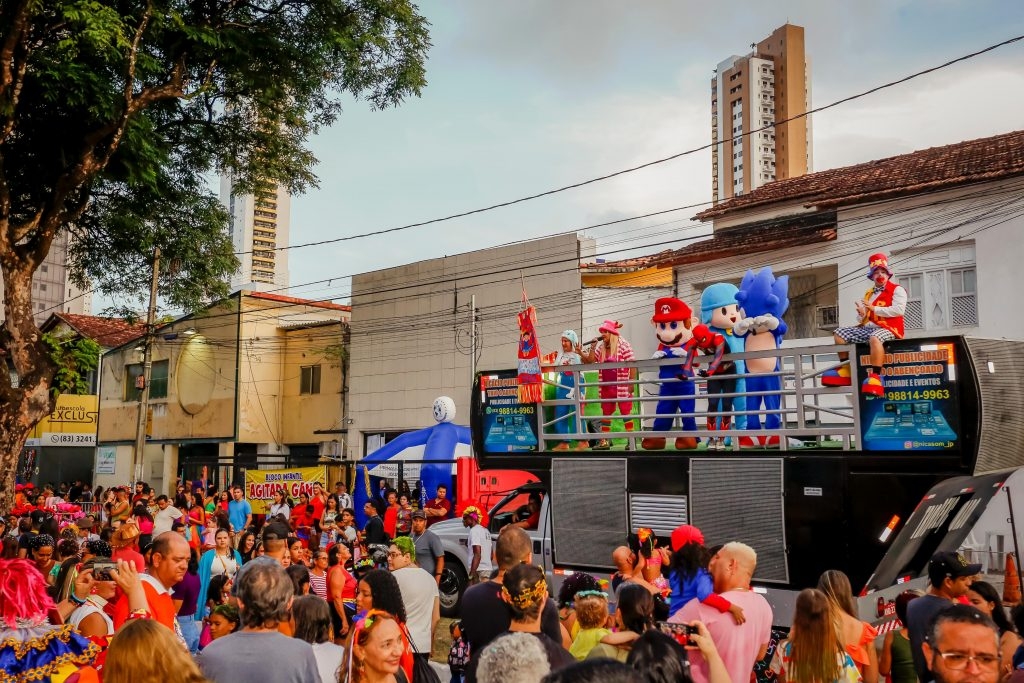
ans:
(395, 553)
(958, 660)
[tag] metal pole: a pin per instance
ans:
(147, 371)
(472, 339)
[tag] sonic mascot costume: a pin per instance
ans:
(672, 322)
(719, 311)
(763, 300)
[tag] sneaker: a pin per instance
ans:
(582, 446)
(564, 446)
(836, 377)
(872, 386)
(720, 444)
(603, 445)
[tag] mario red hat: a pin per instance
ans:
(876, 261)
(610, 326)
(669, 309)
(685, 533)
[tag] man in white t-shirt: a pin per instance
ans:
(419, 594)
(741, 645)
(165, 515)
(478, 548)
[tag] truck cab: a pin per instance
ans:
(513, 507)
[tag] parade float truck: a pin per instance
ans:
(869, 485)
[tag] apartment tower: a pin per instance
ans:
(259, 227)
(760, 91)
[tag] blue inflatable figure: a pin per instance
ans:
(719, 311)
(763, 300)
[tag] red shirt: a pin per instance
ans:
(161, 606)
(435, 504)
(391, 520)
(129, 555)
(318, 507)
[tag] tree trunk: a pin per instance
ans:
(21, 407)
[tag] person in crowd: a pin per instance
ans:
(896, 662)
(343, 496)
(224, 621)
(740, 645)
(341, 589)
(615, 382)
(419, 595)
(296, 550)
(429, 550)
(299, 575)
(532, 518)
(121, 508)
(90, 618)
(857, 636)
(949, 578)
(125, 543)
(984, 596)
(42, 547)
(144, 651)
(318, 503)
(478, 546)
(311, 622)
(566, 388)
(391, 513)
(575, 583)
(275, 542)
(634, 616)
(374, 537)
(281, 507)
(347, 532)
(219, 592)
(194, 517)
(86, 530)
(485, 613)
(651, 558)
(458, 653)
(239, 511)
(259, 652)
(591, 609)
(215, 522)
(628, 570)
(377, 651)
(143, 519)
(513, 658)
(302, 520)
(66, 553)
(439, 507)
(660, 658)
(814, 652)
(404, 490)
(688, 574)
(10, 548)
(318, 574)
(167, 566)
(378, 590)
(525, 590)
(962, 646)
(186, 598)
(329, 520)
(36, 519)
(247, 546)
(221, 560)
(595, 671)
(383, 486)
(165, 516)
(403, 520)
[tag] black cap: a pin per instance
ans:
(275, 531)
(950, 564)
(419, 514)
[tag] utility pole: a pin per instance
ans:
(147, 371)
(472, 339)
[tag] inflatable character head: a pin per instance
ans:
(718, 307)
(672, 321)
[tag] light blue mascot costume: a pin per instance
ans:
(720, 311)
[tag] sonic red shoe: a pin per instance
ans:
(836, 377)
(872, 386)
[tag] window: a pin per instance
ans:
(157, 380)
(45, 268)
(941, 299)
(309, 381)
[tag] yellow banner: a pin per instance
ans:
(72, 423)
(260, 485)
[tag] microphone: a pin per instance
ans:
(593, 341)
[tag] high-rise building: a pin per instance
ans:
(52, 288)
(259, 227)
(760, 91)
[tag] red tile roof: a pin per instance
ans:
(107, 332)
(927, 170)
(625, 265)
(770, 235)
(301, 302)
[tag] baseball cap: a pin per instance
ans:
(419, 514)
(951, 564)
(275, 531)
(685, 533)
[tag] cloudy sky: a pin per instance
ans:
(530, 95)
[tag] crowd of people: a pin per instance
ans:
(187, 588)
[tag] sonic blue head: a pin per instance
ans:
(762, 293)
(714, 297)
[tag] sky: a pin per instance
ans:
(531, 95)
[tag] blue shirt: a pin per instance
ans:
(238, 510)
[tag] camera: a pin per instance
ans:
(101, 569)
(680, 632)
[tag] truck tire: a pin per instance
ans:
(454, 581)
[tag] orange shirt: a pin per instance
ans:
(161, 606)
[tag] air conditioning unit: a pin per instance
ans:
(329, 449)
(826, 317)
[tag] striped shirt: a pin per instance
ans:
(318, 585)
(624, 354)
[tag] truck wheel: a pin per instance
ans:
(453, 582)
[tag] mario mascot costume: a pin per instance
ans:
(763, 300)
(881, 319)
(719, 311)
(672, 322)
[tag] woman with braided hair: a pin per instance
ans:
(41, 547)
(525, 590)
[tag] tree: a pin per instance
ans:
(113, 117)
